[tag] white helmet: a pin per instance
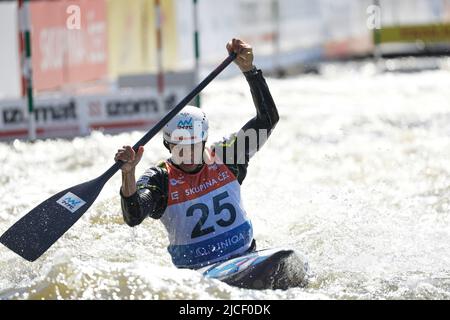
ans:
(189, 126)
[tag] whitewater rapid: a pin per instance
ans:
(356, 176)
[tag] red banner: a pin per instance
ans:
(69, 42)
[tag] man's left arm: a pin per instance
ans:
(237, 149)
(266, 113)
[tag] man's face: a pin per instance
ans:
(188, 157)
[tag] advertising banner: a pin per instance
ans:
(132, 36)
(133, 110)
(9, 54)
(435, 33)
(69, 42)
(54, 117)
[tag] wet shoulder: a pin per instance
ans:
(154, 177)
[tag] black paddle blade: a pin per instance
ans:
(40, 228)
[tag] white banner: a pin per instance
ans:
(10, 74)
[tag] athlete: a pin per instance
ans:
(196, 193)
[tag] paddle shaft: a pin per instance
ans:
(153, 131)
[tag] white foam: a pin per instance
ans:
(356, 176)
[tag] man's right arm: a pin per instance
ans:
(128, 183)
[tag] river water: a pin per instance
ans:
(356, 176)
